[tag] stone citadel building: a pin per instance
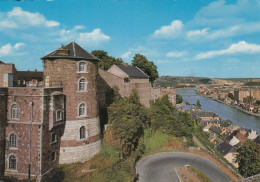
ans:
(52, 117)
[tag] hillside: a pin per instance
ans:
(179, 82)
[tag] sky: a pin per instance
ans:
(209, 38)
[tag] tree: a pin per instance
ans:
(106, 61)
(128, 118)
(178, 99)
(248, 100)
(248, 159)
(146, 66)
(186, 119)
(198, 106)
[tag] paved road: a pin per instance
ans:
(160, 167)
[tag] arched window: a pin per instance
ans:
(12, 140)
(82, 67)
(12, 162)
(15, 111)
(82, 132)
(82, 84)
(82, 109)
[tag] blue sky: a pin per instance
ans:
(183, 37)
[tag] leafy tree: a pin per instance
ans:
(106, 61)
(146, 66)
(128, 118)
(178, 99)
(198, 105)
(248, 100)
(231, 96)
(186, 119)
(162, 118)
(249, 159)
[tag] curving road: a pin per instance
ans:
(160, 167)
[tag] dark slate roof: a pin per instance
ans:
(215, 129)
(225, 148)
(29, 75)
(257, 140)
(133, 71)
(204, 114)
(75, 52)
(204, 122)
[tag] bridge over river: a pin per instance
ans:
(222, 110)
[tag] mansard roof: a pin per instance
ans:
(74, 51)
(133, 71)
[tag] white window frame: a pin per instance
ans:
(85, 85)
(85, 67)
(17, 110)
(61, 115)
(8, 162)
(85, 110)
(55, 135)
(9, 141)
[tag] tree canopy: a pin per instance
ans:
(249, 159)
(198, 105)
(178, 99)
(106, 61)
(128, 118)
(146, 66)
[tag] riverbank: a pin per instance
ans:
(235, 107)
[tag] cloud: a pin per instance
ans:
(240, 47)
(176, 54)
(94, 38)
(126, 55)
(20, 18)
(8, 49)
(196, 33)
(169, 31)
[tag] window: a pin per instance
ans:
(59, 115)
(82, 132)
(12, 140)
(82, 109)
(82, 84)
(15, 111)
(53, 137)
(12, 162)
(53, 156)
(82, 67)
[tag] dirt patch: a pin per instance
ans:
(186, 175)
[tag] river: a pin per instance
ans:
(222, 110)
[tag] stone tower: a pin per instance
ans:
(76, 70)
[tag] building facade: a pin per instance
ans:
(51, 117)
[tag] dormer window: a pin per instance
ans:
(82, 67)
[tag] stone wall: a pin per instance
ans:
(74, 149)
(3, 103)
(4, 69)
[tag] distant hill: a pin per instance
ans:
(178, 82)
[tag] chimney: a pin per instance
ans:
(35, 70)
(62, 52)
(125, 64)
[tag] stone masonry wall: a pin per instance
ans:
(3, 103)
(7, 68)
(74, 149)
